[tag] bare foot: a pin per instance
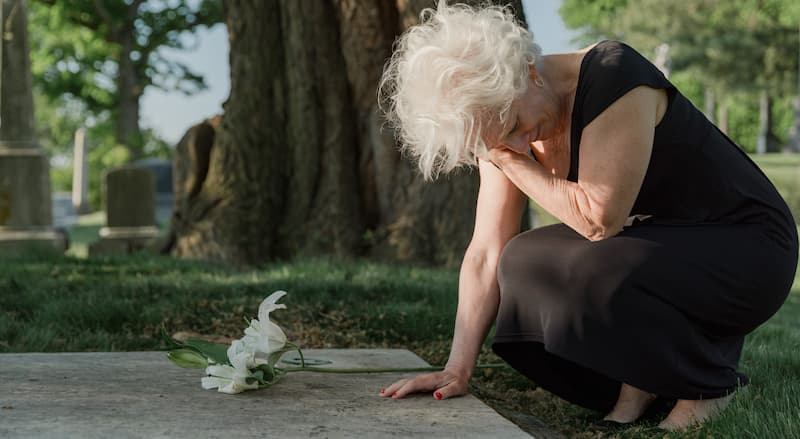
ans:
(631, 404)
(688, 412)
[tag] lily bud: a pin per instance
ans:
(187, 358)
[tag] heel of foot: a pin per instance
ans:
(687, 413)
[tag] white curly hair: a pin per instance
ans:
(450, 77)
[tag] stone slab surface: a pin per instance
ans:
(143, 395)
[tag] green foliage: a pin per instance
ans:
(596, 19)
(737, 48)
(56, 130)
(690, 86)
(784, 172)
(68, 59)
(80, 48)
(743, 120)
(75, 57)
(76, 50)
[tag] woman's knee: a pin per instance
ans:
(522, 261)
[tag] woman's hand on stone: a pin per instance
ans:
(445, 384)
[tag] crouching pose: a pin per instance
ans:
(673, 244)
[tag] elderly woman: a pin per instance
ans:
(673, 247)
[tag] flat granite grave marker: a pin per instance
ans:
(143, 395)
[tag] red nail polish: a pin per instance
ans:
(437, 395)
(382, 390)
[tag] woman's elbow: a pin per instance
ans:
(604, 227)
(599, 220)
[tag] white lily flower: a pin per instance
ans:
(239, 347)
(232, 379)
(262, 336)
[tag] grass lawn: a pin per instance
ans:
(113, 304)
(85, 232)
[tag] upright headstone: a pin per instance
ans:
(130, 201)
(26, 216)
(80, 178)
(162, 170)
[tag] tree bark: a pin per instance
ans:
(237, 206)
(282, 172)
(128, 132)
(303, 166)
(16, 97)
(766, 142)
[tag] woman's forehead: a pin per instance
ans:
(496, 126)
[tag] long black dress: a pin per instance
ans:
(664, 306)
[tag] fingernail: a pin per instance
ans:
(437, 395)
(394, 394)
(382, 391)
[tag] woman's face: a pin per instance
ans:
(533, 116)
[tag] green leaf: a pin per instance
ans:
(259, 374)
(275, 356)
(218, 353)
(266, 372)
(269, 375)
(187, 358)
(171, 342)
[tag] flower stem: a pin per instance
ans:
(384, 370)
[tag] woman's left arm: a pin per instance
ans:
(614, 154)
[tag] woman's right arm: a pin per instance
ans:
(497, 220)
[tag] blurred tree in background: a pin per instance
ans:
(92, 61)
(738, 59)
(313, 172)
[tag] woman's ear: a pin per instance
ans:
(532, 72)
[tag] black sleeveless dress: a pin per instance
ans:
(709, 253)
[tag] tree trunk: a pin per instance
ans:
(709, 104)
(238, 201)
(282, 171)
(722, 112)
(130, 90)
(304, 166)
(16, 98)
(766, 142)
(793, 144)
